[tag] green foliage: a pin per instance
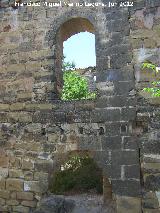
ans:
(79, 174)
(155, 91)
(75, 87)
(156, 83)
(67, 65)
(149, 65)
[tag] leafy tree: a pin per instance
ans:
(75, 86)
(67, 65)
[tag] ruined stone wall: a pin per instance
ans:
(145, 38)
(37, 130)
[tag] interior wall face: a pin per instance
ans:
(37, 128)
(145, 39)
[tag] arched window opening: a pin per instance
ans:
(75, 82)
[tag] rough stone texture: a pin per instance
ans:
(145, 24)
(55, 204)
(129, 204)
(76, 204)
(120, 128)
(14, 184)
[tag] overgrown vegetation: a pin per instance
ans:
(78, 174)
(66, 65)
(155, 90)
(149, 65)
(75, 86)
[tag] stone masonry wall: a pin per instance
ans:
(37, 130)
(145, 38)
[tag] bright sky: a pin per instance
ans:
(80, 48)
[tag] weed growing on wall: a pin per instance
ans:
(149, 65)
(155, 89)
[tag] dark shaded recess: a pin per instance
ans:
(78, 179)
(80, 130)
(101, 131)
